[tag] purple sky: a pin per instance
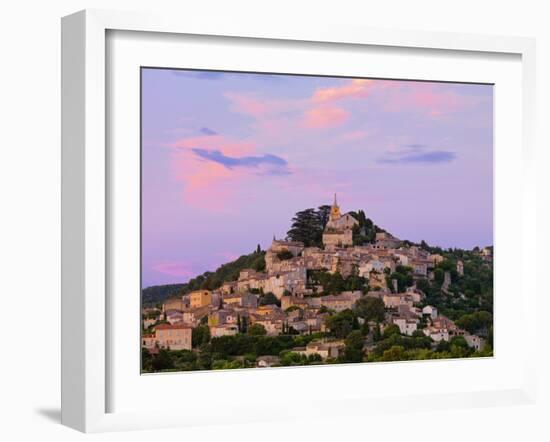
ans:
(228, 158)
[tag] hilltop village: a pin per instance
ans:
(360, 295)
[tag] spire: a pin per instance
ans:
(334, 210)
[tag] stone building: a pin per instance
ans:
(385, 240)
(272, 261)
(174, 304)
(173, 336)
(339, 229)
(200, 298)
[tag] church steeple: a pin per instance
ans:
(335, 210)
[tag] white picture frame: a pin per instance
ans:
(86, 208)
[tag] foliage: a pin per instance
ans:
(391, 330)
(200, 335)
(156, 294)
(257, 330)
(365, 231)
(269, 299)
(162, 361)
(341, 324)
(395, 353)
(222, 364)
(146, 360)
(334, 283)
(307, 227)
(354, 347)
(476, 323)
(208, 280)
(370, 309)
(290, 358)
(404, 278)
(285, 255)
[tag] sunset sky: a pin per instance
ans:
(228, 158)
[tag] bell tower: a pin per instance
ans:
(335, 211)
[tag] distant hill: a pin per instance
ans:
(158, 293)
(208, 280)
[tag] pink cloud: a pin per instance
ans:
(247, 105)
(173, 268)
(261, 107)
(215, 187)
(215, 170)
(432, 99)
(357, 88)
(324, 117)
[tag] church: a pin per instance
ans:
(339, 229)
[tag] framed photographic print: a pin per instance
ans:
(229, 157)
(250, 212)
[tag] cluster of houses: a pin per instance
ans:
(236, 306)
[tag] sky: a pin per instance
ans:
(229, 158)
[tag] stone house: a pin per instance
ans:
(173, 316)
(192, 316)
(174, 304)
(394, 300)
(174, 336)
(343, 301)
(200, 298)
(407, 324)
(219, 330)
(474, 341)
(430, 311)
(324, 348)
(241, 300)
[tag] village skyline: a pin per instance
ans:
(338, 289)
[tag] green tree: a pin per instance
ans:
(341, 324)
(395, 353)
(292, 358)
(146, 360)
(162, 361)
(200, 335)
(370, 309)
(269, 299)
(404, 278)
(354, 347)
(205, 357)
(323, 213)
(257, 330)
(391, 330)
(306, 227)
(477, 323)
(459, 347)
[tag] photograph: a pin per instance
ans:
(299, 220)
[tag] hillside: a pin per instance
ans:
(208, 280)
(156, 294)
